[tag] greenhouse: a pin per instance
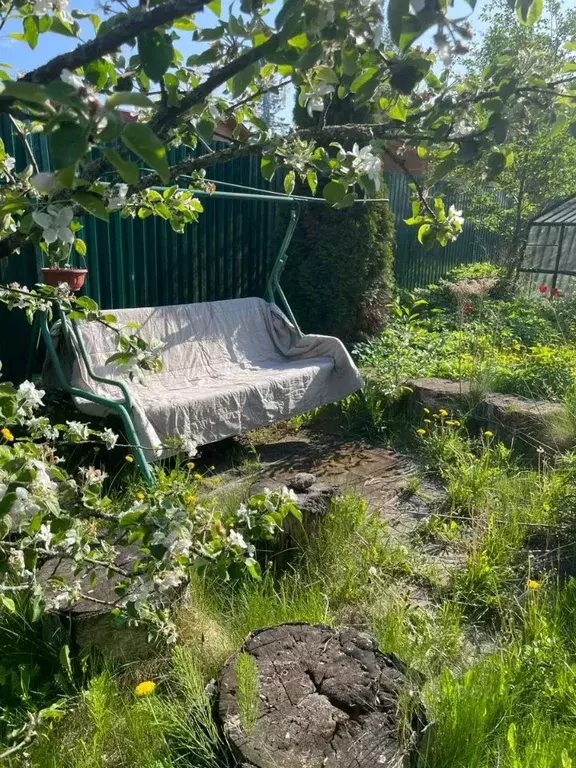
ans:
(550, 256)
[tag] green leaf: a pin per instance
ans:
(572, 129)
(64, 27)
(334, 192)
(397, 10)
(156, 53)
(134, 98)
(96, 73)
(363, 78)
(141, 139)
(31, 31)
(398, 111)
(312, 179)
(216, 7)
(64, 657)
(268, 167)
(80, 247)
(68, 143)
(289, 182)
(24, 91)
(129, 171)
(299, 41)
(499, 127)
(205, 128)
(529, 11)
(242, 80)
(327, 74)
(8, 603)
(92, 204)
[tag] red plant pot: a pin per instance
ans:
(56, 275)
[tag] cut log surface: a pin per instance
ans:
(326, 699)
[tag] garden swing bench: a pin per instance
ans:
(228, 366)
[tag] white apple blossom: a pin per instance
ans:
(236, 539)
(71, 79)
(455, 216)
(41, 427)
(169, 580)
(288, 493)
(23, 507)
(55, 223)
(42, 478)
(109, 438)
(92, 475)
(61, 8)
(44, 535)
(117, 199)
(77, 430)
(314, 101)
(29, 395)
(366, 163)
(8, 164)
(44, 182)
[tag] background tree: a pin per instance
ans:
(320, 47)
(536, 148)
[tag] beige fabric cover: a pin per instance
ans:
(229, 366)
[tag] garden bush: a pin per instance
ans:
(522, 345)
(340, 275)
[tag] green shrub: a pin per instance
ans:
(476, 271)
(340, 274)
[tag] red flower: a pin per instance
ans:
(467, 308)
(543, 288)
(554, 292)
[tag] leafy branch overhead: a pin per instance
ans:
(324, 50)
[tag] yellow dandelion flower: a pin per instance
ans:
(129, 459)
(190, 465)
(190, 498)
(488, 433)
(198, 476)
(427, 421)
(442, 412)
(533, 584)
(456, 423)
(420, 431)
(140, 495)
(449, 423)
(145, 688)
(7, 435)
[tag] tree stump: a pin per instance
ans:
(313, 500)
(324, 698)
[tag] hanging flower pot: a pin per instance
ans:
(55, 276)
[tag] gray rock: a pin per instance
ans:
(526, 424)
(325, 699)
(436, 394)
(301, 482)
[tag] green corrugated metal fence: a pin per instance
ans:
(415, 266)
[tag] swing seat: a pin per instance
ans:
(228, 367)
